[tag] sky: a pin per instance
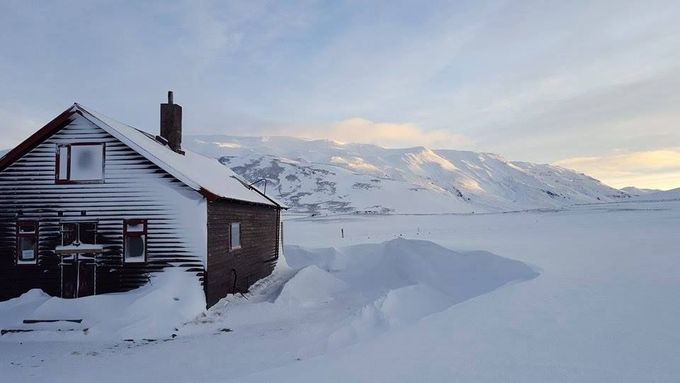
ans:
(589, 85)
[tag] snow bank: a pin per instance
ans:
(309, 287)
(361, 290)
(401, 262)
(155, 310)
(335, 297)
(15, 310)
(397, 308)
(394, 283)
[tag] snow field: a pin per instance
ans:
(383, 304)
(321, 300)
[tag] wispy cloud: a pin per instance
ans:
(17, 125)
(655, 169)
(531, 80)
(387, 134)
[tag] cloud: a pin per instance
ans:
(387, 134)
(656, 169)
(16, 126)
(535, 81)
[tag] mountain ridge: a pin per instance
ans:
(636, 192)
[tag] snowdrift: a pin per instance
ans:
(155, 310)
(334, 297)
(402, 262)
(401, 281)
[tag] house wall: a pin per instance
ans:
(133, 188)
(231, 271)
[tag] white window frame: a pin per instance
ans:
(64, 164)
(77, 231)
(27, 234)
(231, 236)
(143, 233)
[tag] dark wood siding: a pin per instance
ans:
(133, 188)
(231, 271)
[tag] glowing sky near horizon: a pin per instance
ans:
(593, 85)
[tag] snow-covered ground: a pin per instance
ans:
(588, 294)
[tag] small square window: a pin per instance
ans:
(235, 236)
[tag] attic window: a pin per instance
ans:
(80, 163)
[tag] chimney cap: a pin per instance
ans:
(170, 98)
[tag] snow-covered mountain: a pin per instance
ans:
(321, 176)
(634, 192)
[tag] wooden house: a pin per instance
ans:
(89, 205)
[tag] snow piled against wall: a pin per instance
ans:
(362, 291)
(155, 310)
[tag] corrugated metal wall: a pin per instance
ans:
(133, 188)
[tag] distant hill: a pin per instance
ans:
(665, 195)
(321, 176)
(633, 191)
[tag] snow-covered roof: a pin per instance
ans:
(196, 171)
(205, 175)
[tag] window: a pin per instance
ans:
(80, 163)
(27, 242)
(134, 248)
(235, 236)
(78, 233)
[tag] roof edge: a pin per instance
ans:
(67, 116)
(208, 194)
(258, 191)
